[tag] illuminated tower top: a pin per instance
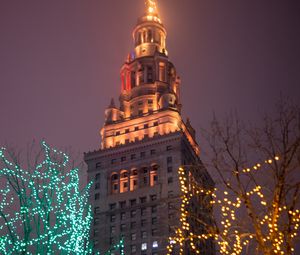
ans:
(151, 7)
(150, 89)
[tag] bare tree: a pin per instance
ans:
(259, 173)
(256, 199)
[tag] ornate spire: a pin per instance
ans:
(151, 6)
(112, 103)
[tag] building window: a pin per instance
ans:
(112, 206)
(170, 206)
(133, 248)
(113, 161)
(143, 211)
(154, 209)
(124, 181)
(150, 101)
(132, 202)
(149, 74)
(170, 180)
(112, 230)
(154, 220)
(126, 130)
(146, 126)
(169, 147)
(143, 154)
(133, 225)
(153, 152)
(136, 128)
(143, 200)
(96, 232)
(115, 188)
(140, 112)
(140, 103)
(133, 156)
(97, 210)
(170, 169)
(122, 227)
(97, 185)
(153, 175)
(96, 221)
(133, 213)
(144, 247)
(154, 244)
(133, 236)
(112, 218)
(123, 216)
(143, 222)
(169, 160)
(123, 158)
(122, 204)
(153, 197)
(97, 196)
(170, 193)
(98, 165)
(144, 234)
(133, 180)
(118, 133)
(114, 183)
(155, 124)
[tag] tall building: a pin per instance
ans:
(136, 193)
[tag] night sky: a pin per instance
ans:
(60, 62)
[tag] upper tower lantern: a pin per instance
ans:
(149, 35)
(150, 89)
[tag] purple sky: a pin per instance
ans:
(60, 61)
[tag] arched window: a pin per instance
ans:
(154, 175)
(144, 175)
(114, 183)
(133, 179)
(124, 181)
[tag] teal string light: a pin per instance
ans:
(50, 213)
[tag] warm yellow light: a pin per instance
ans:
(150, 9)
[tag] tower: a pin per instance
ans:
(136, 195)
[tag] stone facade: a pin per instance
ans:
(136, 192)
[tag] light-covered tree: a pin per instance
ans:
(257, 200)
(42, 209)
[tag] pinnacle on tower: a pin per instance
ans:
(112, 103)
(151, 6)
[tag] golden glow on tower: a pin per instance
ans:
(151, 6)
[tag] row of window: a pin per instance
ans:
(133, 213)
(137, 128)
(124, 226)
(132, 202)
(133, 157)
(144, 247)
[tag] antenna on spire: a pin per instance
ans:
(151, 6)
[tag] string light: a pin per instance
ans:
(54, 215)
(228, 236)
